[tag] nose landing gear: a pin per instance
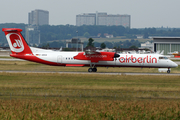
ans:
(168, 71)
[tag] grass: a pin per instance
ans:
(86, 96)
(87, 85)
(88, 109)
(8, 57)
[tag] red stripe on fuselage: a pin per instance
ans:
(35, 59)
(38, 60)
(75, 65)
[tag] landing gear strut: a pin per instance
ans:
(168, 71)
(92, 69)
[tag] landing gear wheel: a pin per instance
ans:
(94, 69)
(168, 71)
(90, 70)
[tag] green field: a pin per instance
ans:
(86, 96)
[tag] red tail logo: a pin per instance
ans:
(16, 42)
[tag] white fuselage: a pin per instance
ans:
(125, 60)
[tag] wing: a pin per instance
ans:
(89, 52)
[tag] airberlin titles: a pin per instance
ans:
(147, 59)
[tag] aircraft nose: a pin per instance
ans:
(174, 64)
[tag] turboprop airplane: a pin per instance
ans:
(94, 59)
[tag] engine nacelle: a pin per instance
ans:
(98, 56)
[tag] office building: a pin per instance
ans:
(38, 17)
(103, 19)
(35, 19)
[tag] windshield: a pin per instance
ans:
(163, 57)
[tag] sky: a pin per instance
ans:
(144, 13)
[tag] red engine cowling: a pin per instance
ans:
(100, 56)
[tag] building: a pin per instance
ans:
(103, 19)
(76, 41)
(168, 44)
(35, 19)
(33, 35)
(147, 45)
(85, 19)
(38, 17)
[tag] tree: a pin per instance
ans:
(114, 33)
(90, 43)
(146, 35)
(103, 45)
(45, 46)
(86, 34)
(133, 47)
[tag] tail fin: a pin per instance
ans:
(16, 41)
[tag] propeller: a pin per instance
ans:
(116, 56)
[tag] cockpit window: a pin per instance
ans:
(163, 58)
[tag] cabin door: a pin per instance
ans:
(59, 59)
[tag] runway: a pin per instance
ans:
(96, 73)
(11, 59)
(15, 59)
(93, 73)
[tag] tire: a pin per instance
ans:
(168, 71)
(94, 69)
(90, 70)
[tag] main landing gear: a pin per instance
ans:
(92, 68)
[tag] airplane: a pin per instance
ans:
(94, 59)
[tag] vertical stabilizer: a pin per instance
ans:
(16, 41)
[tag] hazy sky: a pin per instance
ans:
(144, 13)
